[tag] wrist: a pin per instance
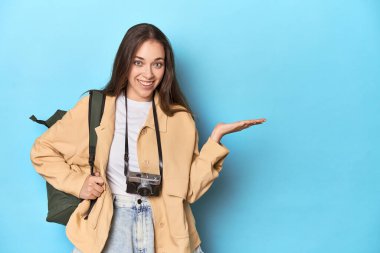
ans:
(215, 136)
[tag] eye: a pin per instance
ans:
(138, 63)
(158, 65)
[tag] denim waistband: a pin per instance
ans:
(131, 200)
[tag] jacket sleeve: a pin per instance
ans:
(205, 167)
(53, 152)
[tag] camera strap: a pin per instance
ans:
(126, 153)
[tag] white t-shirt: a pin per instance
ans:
(137, 115)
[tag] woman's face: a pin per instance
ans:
(147, 71)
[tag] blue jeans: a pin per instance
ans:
(132, 228)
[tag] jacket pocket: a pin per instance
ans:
(175, 192)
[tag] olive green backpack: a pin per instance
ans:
(60, 204)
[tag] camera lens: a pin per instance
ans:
(143, 191)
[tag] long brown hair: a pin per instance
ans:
(168, 89)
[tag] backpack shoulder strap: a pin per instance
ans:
(95, 113)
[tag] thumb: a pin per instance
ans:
(97, 174)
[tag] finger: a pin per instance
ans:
(256, 120)
(98, 180)
(96, 194)
(97, 188)
(251, 124)
(260, 120)
(92, 193)
(245, 123)
(92, 196)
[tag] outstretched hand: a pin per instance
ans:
(222, 129)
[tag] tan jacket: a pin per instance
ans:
(60, 155)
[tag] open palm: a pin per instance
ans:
(222, 129)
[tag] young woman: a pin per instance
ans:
(143, 83)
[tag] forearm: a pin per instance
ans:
(55, 170)
(205, 167)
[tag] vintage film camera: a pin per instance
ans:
(144, 184)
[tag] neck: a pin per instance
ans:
(137, 99)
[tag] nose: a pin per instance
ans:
(148, 73)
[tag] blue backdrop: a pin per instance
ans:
(306, 181)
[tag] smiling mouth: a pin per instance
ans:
(146, 83)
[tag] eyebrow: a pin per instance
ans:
(159, 58)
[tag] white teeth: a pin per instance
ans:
(146, 83)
